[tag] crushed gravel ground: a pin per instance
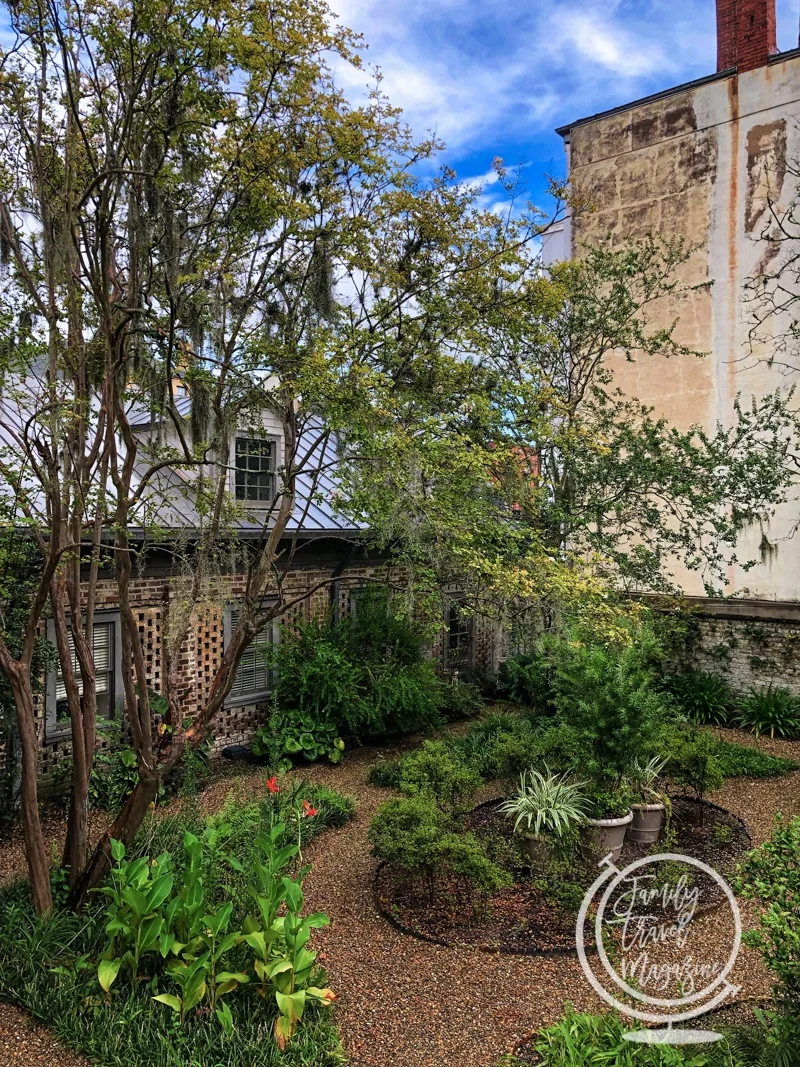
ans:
(405, 1003)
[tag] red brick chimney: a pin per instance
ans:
(746, 33)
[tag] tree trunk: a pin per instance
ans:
(35, 850)
(124, 828)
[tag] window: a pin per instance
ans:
(254, 676)
(458, 638)
(255, 469)
(105, 663)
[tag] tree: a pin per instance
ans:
(188, 201)
(597, 473)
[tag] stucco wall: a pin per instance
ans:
(699, 163)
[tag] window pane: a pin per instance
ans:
(255, 469)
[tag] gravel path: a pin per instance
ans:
(405, 1003)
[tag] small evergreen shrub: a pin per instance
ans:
(440, 771)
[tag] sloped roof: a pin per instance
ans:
(170, 502)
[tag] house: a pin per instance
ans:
(325, 559)
(707, 161)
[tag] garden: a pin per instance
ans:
(265, 910)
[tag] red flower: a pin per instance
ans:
(272, 785)
(308, 811)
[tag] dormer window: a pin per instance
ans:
(256, 466)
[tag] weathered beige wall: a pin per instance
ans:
(699, 163)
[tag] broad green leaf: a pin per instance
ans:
(107, 971)
(170, 1000)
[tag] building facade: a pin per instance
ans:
(706, 161)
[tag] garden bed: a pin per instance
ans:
(537, 916)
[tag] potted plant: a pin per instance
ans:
(608, 817)
(544, 808)
(650, 805)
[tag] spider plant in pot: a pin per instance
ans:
(650, 806)
(544, 808)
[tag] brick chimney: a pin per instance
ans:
(746, 33)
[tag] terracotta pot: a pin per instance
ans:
(601, 836)
(539, 850)
(647, 822)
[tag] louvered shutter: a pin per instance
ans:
(103, 645)
(253, 675)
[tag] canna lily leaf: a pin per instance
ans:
(170, 1000)
(107, 971)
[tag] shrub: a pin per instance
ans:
(527, 679)
(366, 674)
(774, 711)
(703, 697)
(608, 697)
(771, 875)
(440, 770)
(385, 773)
(114, 775)
(291, 735)
(693, 762)
(414, 834)
(459, 700)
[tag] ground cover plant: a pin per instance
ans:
(581, 1039)
(774, 711)
(199, 948)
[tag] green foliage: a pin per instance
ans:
(439, 770)
(114, 774)
(459, 700)
(745, 761)
(703, 697)
(526, 679)
(693, 762)
(366, 673)
(51, 965)
(414, 834)
(546, 803)
(20, 568)
(607, 695)
(774, 711)
(385, 773)
(770, 875)
(583, 1040)
(292, 735)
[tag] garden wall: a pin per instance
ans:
(750, 643)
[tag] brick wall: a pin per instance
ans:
(749, 652)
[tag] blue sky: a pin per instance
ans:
(494, 78)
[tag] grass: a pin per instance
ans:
(48, 966)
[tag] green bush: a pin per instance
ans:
(49, 965)
(770, 875)
(114, 775)
(367, 673)
(440, 771)
(385, 773)
(704, 698)
(527, 679)
(774, 711)
(414, 834)
(608, 697)
(459, 700)
(693, 762)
